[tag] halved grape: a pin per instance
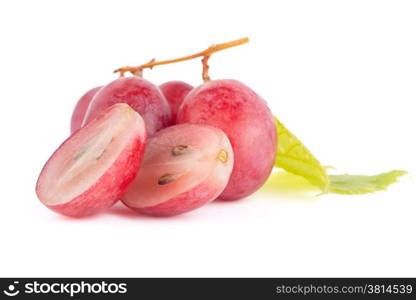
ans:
(184, 167)
(91, 170)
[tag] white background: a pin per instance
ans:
(340, 74)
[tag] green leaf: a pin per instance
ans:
(362, 184)
(295, 158)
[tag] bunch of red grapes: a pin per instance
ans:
(162, 150)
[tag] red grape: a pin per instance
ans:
(80, 109)
(142, 95)
(184, 167)
(244, 116)
(92, 169)
(175, 91)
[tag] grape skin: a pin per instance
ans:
(244, 116)
(81, 107)
(142, 95)
(175, 92)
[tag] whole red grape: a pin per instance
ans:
(175, 91)
(142, 95)
(246, 119)
(81, 107)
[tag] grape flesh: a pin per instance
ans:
(81, 107)
(244, 116)
(142, 95)
(92, 169)
(175, 91)
(184, 167)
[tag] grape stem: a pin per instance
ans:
(205, 54)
